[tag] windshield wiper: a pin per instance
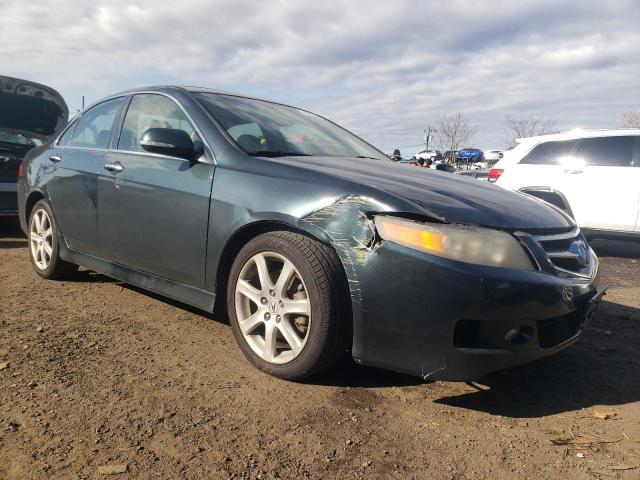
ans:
(364, 156)
(277, 153)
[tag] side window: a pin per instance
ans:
(94, 127)
(66, 136)
(607, 151)
(551, 153)
(148, 110)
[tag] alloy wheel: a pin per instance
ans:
(274, 316)
(41, 239)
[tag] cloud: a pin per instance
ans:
(382, 69)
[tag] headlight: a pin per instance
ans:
(480, 246)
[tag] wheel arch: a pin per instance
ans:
(33, 198)
(244, 235)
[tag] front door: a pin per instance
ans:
(153, 210)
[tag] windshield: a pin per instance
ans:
(263, 128)
(18, 139)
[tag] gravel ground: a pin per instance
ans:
(98, 378)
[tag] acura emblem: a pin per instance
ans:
(579, 248)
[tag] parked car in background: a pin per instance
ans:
(30, 114)
(469, 155)
(493, 155)
(482, 175)
(592, 175)
(295, 227)
(432, 155)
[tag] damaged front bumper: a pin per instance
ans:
(441, 319)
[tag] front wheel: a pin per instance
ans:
(288, 305)
(44, 247)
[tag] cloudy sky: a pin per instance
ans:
(382, 69)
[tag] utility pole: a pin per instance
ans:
(82, 102)
(427, 137)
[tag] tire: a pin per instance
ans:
(320, 288)
(44, 244)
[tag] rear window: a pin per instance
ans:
(552, 153)
(607, 151)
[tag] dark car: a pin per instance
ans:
(445, 167)
(30, 115)
(314, 241)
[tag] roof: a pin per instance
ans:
(580, 133)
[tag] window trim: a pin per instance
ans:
(208, 152)
(84, 112)
(71, 126)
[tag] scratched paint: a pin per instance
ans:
(346, 222)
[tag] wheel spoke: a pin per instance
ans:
(48, 232)
(249, 325)
(285, 275)
(37, 222)
(263, 272)
(249, 291)
(289, 334)
(301, 307)
(269, 342)
(47, 248)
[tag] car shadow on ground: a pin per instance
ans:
(601, 369)
(347, 373)
(11, 235)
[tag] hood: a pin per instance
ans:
(31, 109)
(454, 198)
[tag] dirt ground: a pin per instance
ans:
(103, 377)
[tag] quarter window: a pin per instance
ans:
(552, 153)
(94, 127)
(66, 136)
(607, 151)
(151, 111)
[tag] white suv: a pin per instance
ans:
(594, 176)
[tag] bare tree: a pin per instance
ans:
(526, 125)
(454, 131)
(631, 120)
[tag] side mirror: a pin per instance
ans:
(168, 141)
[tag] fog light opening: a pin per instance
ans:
(519, 335)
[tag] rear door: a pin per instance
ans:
(607, 192)
(153, 210)
(73, 164)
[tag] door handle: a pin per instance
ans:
(114, 167)
(55, 158)
(572, 171)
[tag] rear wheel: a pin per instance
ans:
(44, 247)
(288, 305)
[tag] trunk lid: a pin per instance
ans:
(30, 115)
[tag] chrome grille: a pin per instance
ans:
(568, 253)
